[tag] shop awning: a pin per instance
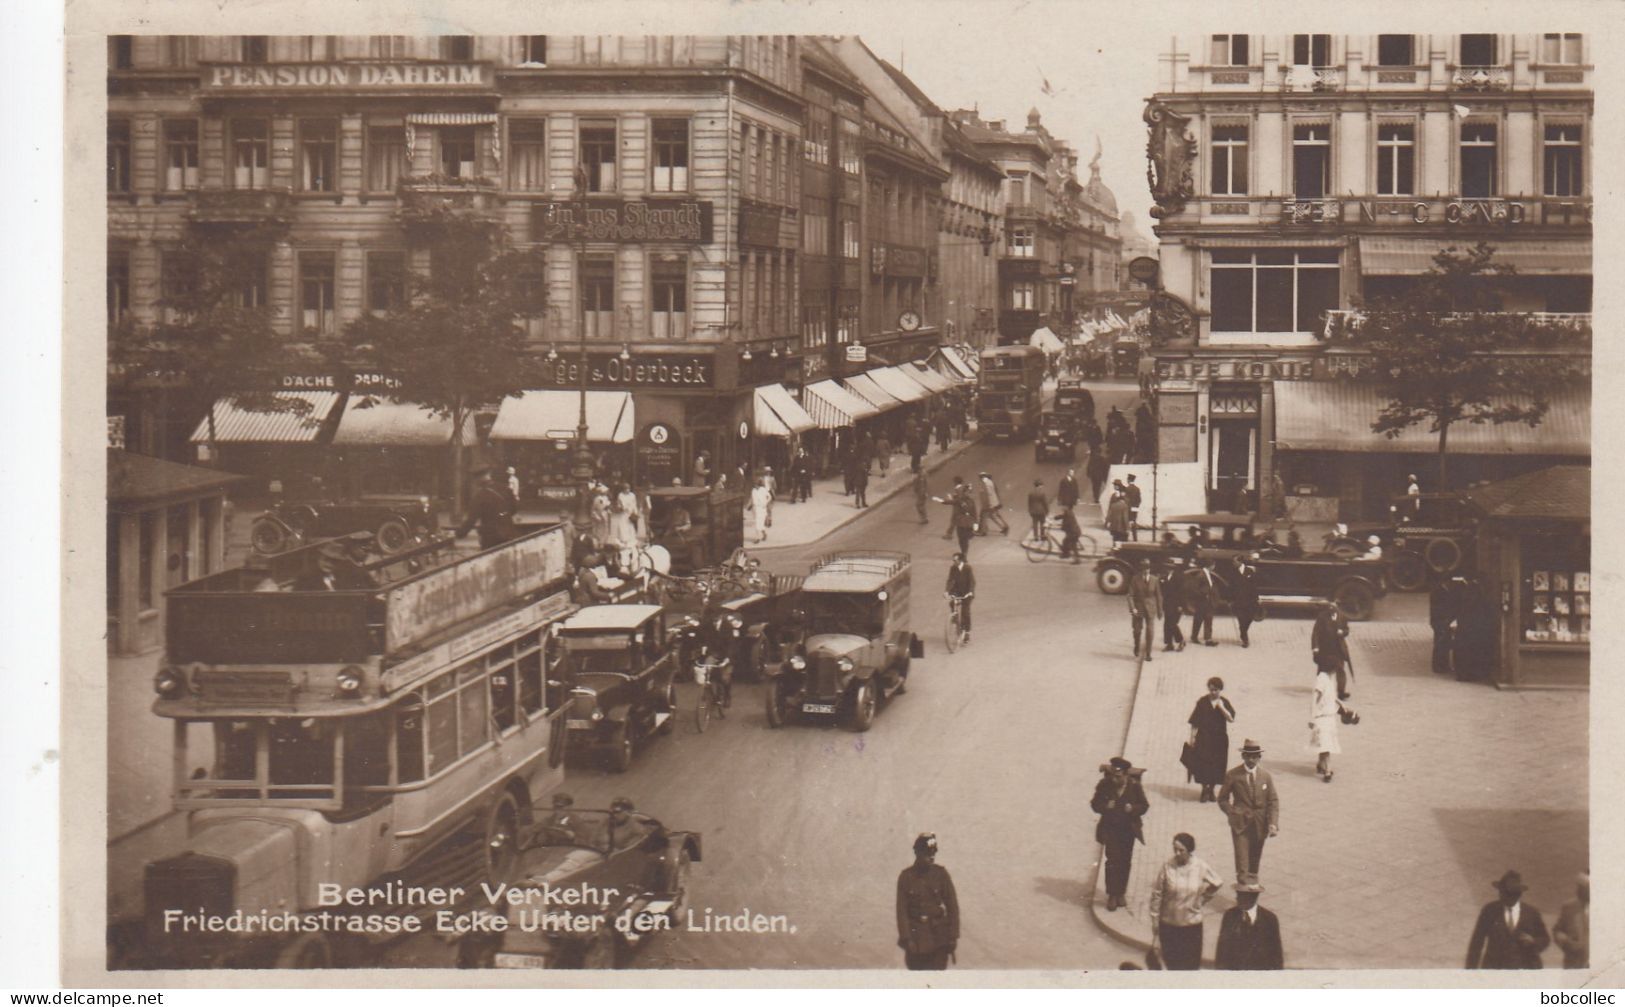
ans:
(1337, 416)
(950, 361)
(934, 383)
(898, 385)
(1411, 256)
(779, 415)
(235, 424)
(552, 414)
(864, 387)
(390, 423)
(832, 406)
(1046, 340)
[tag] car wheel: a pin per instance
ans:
(501, 838)
(1112, 578)
(1409, 572)
(1355, 599)
(863, 707)
(1443, 555)
(777, 708)
(394, 535)
(269, 536)
(620, 751)
(307, 951)
(670, 700)
(677, 883)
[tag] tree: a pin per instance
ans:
(1447, 354)
(456, 341)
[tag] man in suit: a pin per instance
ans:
(492, 509)
(1573, 930)
(1120, 802)
(1509, 934)
(1132, 493)
(1248, 798)
(1443, 601)
(1244, 595)
(1202, 588)
(1173, 603)
(1066, 492)
(1144, 607)
(1328, 644)
(1249, 934)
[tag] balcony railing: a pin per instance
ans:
(240, 206)
(1481, 78)
(1559, 326)
(425, 199)
(1313, 78)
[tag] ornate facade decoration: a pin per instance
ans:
(1170, 153)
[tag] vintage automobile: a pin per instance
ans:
(637, 869)
(1307, 582)
(1431, 532)
(857, 644)
(697, 525)
(1222, 536)
(395, 522)
(1057, 436)
(1072, 397)
(619, 670)
(738, 589)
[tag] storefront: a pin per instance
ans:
(280, 443)
(385, 446)
(535, 433)
(837, 413)
(777, 424)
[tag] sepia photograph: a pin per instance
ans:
(549, 480)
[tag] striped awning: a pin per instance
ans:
(552, 415)
(951, 362)
(832, 406)
(777, 414)
(898, 385)
(864, 387)
(236, 424)
(452, 118)
(1412, 256)
(1337, 416)
(934, 383)
(390, 423)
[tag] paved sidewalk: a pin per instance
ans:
(1440, 788)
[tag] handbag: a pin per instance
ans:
(1347, 715)
(1187, 758)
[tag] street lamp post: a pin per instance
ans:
(581, 469)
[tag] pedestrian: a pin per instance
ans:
(964, 516)
(922, 493)
(800, 475)
(1120, 802)
(1096, 440)
(1131, 492)
(1202, 590)
(1413, 495)
(1070, 534)
(1249, 934)
(1145, 435)
(952, 500)
(1171, 582)
(1323, 717)
(1066, 492)
(943, 430)
(992, 508)
(883, 451)
(1249, 801)
(599, 511)
(772, 491)
(513, 483)
(1117, 517)
(1183, 887)
(1443, 603)
(761, 498)
(492, 509)
(1328, 645)
(1508, 934)
(1244, 604)
(1210, 738)
(1144, 607)
(1037, 508)
(1573, 930)
(1098, 469)
(927, 909)
(702, 469)
(866, 450)
(860, 485)
(961, 585)
(1475, 631)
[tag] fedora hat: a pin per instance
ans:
(1251, 747)
(1248, 886)
(1511, 881)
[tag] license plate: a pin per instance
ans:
(503, 960)
(578, 725)
(817, 708)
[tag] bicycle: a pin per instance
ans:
(1050, 547)
(955, 633)
(716, 689)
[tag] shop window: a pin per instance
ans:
(598, 154)
(180, 155)
(386, 157)
(1311, 161)
(533, 50)
(316, 305)
(386, 281)
(1312, 50)
(1023, 243)
(670, 155)
(254, 48)
(598, 298)
(1560, 48)
(1396, 50)
(527, 155)
(458, 152)
(1556, 590)
(118, 286)
(458, 47)
(668, 304)
(318, 154)
(1228, 50)
(114, 574)
(1478, 50)
(389, 47)
(1396, 160)
(250, 153)
(1023, 296)
(118, 155)
(1229, 160)
(1562, 161)
(120, 52)
(1478, 160)
(1274, 291)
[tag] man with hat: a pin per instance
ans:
(1249, 934)
(626, 830)
(492, 509)
(1509, 934)
(1573, 930)
(927, 909)
(1248, 798)
(1120, 802)
(1144, 607)
(1203, 590)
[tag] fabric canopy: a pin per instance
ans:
(1337, 416)
(235, 424)
(552, 414)
(933, 382)
(951, 362)
(390, 423)
(898, 385)
(779, 415)
(1410, 256)
(865, 388)
(1046, 340)
(832, 406)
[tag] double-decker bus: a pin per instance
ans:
(371, 724)
(1009, 391)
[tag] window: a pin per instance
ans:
(250, 153)
(770, 166)
(850, 245)
(1478, 50)
(177, 282)
(316, 292)
(527, 155)
(754, 175)
(1312, 50)
(386, 157)
(120, 52)
(1229, 160)
(1311, 161)
(1478, 159)
(180, 50)
(1280, 290)
(457, 152)
(816, 148)
(1229, 50)
(318, 48)
(252, 285)
(670, 155)
(1560, 48)
(180, 155)
(532, 281)
(598, 298)
(815, 226)
(255, 48)
(668, 313)
(1563, 158)
(1023, 244)
(598, 154)
(1395, 50)
(533, 50)
(846, 328)
(1396, 160)
(388, 47)
(459, 47)
(118, 155)
(814, 321)
(851, 147)
(386, 281)
(1023, 296)
(118, 287)
(318, 154)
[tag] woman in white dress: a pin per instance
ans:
(1323, 718)
(761, 498)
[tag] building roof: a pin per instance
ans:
(134, 479)
(1562, 491)
(814, 52)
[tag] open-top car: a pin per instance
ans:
(1218, 537)
(857, 643)
(1431, 532)
(1057, 436)
(741, 589)
(588, 887)
(619, 668)
(394, 521)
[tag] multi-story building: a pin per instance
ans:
(1296, 175)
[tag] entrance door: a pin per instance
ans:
(1234, 452)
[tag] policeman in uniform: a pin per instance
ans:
(927, 909)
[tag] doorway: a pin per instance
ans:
(1234, 450)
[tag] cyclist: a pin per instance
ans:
(1070, 533)
(962, 586)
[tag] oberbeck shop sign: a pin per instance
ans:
(664, 220)
(353, 76)
(608, 370)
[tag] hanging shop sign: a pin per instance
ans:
(628, 222)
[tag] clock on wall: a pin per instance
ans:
(908, 321)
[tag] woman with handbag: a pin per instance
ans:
(1183, 887)
(1209, 745)
(1324, 711)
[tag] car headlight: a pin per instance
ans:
(349, 681)
(845, 664)
(598, 715)
(168, 683)
(798, 662)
